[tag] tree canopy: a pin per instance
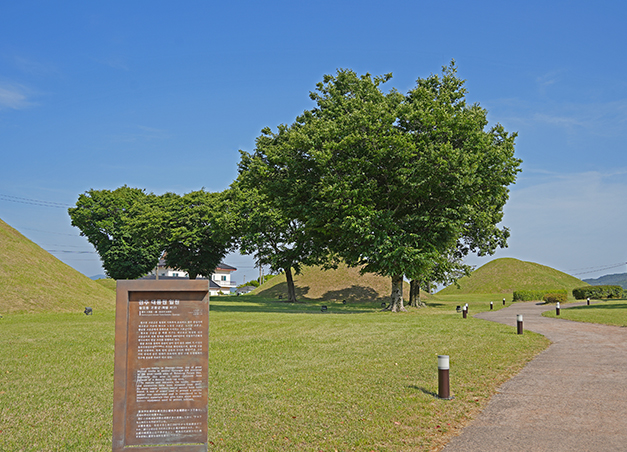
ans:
(106, 218)
(390, 182)
(195, 235)
(131, 230)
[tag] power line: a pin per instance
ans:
(598, 269)
(71, 252)
(56, 244)
(50, 232)
(34, 202)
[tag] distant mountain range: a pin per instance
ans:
(617, 279)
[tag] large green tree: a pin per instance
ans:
(106, 218)
(390, 182)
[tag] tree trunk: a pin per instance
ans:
(414, 294)
(291, 290)
(397, 294)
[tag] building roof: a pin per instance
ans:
(212, 283)
(221, 266)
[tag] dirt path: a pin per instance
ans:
(571, 397)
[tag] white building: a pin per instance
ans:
(220, 280)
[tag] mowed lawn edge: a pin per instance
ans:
(607, 312)
(281, 377)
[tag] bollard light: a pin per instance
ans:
(588, 301)
(465, 311)
(557, 308)
(503, 301)
(519, 323)
(491, 305)
(444, 390)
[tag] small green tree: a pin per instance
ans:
(193, 229)
(265, 230)
(106, 218)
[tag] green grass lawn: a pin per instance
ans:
(610, 312)
(281, 377)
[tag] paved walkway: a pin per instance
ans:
(571, 397)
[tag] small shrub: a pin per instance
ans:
(555, 297)
(532, 295)
(598, 292)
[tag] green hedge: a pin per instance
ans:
(598, 292)
(555, 297)
(532, 295)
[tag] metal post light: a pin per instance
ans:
(588, 301)
(491, 305)
(519, 323)
(503, 301)
(444, 390)
(557, 308)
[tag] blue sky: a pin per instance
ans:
(162, 95)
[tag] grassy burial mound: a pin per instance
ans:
(506, 275)
(33, 280)
(344, 283)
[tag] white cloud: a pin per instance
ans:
(35, 67)
(597, 119)
(14, 97)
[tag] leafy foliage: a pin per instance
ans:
(533, 295)
(106, 218)
(395, 184)
(555, 297)
(196, 236)
(131, 230)
(598, 292)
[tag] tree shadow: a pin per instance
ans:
(255, 303)
(599, 306)
(355, 294)
(279, 291)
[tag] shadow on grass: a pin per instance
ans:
(354, 294)
(599, 306)
(281, 290)
(257, 304)
(425, 390)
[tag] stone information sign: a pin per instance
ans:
(161, 366)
